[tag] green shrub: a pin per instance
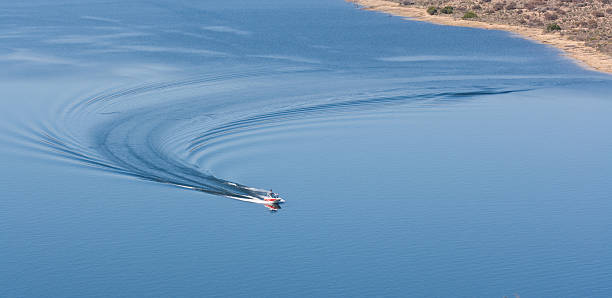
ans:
(432, 10)
(447, 10)
(470, 15)
(553, 27)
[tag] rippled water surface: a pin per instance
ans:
(415, 159)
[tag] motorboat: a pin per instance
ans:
(273, 198)
(269, 199)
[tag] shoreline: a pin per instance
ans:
(583, 55)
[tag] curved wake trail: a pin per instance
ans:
(164, 131)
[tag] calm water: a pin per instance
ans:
(416, 160)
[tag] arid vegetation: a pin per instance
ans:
(589, 21)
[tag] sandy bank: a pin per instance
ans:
(586, 56)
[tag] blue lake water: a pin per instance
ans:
(415, 159)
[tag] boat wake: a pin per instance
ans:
(165, 131)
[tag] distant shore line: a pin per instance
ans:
(585, 56)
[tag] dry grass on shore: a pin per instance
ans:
(589, 21)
